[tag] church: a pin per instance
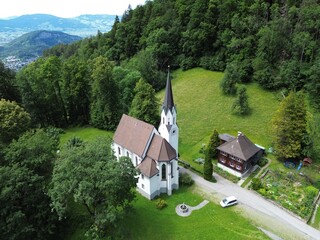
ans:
(153, 152)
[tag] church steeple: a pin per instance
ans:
(168, 102)
(168, 128)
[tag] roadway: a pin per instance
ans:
(282, 221)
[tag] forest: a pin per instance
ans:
(95, 80)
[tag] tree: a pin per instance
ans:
(40, 87)
(145, 105)
(14, 120)
(25, 207)
(26, 212)
(35, 150)
(241, 104)
(105, 104)
(289, 126)
(8, 90)
(229, 81)
(91, 176)
(210, 153)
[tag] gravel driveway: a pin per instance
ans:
(262, 211)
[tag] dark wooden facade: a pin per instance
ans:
(238, 155)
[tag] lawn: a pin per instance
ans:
(202, 107)
(210, 222)
(85, 133)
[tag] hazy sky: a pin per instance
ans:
(66, 8)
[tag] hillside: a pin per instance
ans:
(31, 45)
(202, 108)
(84, 25)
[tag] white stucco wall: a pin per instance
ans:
(229, 170)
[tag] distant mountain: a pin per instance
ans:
(83, 26)
(31, 45)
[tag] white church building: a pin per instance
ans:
(154, 153)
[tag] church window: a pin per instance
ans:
(163, 120)
(136, 161)
(171, 165)
(174, 120)
(142, 176)
(142, 185)
(119, 151)
(163, 172)
(127, 154)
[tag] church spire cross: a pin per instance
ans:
(168, 102)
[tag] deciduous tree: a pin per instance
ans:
(14, 120)
(145, 105)
(91, 176)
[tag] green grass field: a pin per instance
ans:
(209, 222)
(85, 133)
(202, 108)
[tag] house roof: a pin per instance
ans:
(168, 102)
(240, 147)
(160, 150)
(148, 167)
(133, 134)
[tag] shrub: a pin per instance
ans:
(262, 162)
(256, 184)
(311, 191)
(161, 204)
(185, 179)
(262, 191)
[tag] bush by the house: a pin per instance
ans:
(161, 203)
(256, 184)
(185, 179)
(262, 162)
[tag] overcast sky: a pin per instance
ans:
(65, 8)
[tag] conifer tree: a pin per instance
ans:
(241, 104)
(210, 154)
(289, 126)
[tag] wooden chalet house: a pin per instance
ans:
(237, 154)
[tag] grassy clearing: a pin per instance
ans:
(210, 222)
(85, 133)
(202, 108)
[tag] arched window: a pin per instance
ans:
(163, 120)
(174, 120)
(163, 172)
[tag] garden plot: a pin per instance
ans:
(290, 190)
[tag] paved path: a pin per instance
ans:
(190, 209)
(250, 200)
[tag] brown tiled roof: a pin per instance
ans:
(148, 167)
(240, 147)
(133, 134)
(160, 150)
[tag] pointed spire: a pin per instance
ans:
(168, 102)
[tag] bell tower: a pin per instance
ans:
(168, 128)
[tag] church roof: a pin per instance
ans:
(168, 102)
(160, 150)
(240, 147)
(148, 167)
(133, 134)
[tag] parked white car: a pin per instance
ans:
(228, 201)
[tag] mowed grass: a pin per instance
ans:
(202, 108)
(85, 133)
(209, 222)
